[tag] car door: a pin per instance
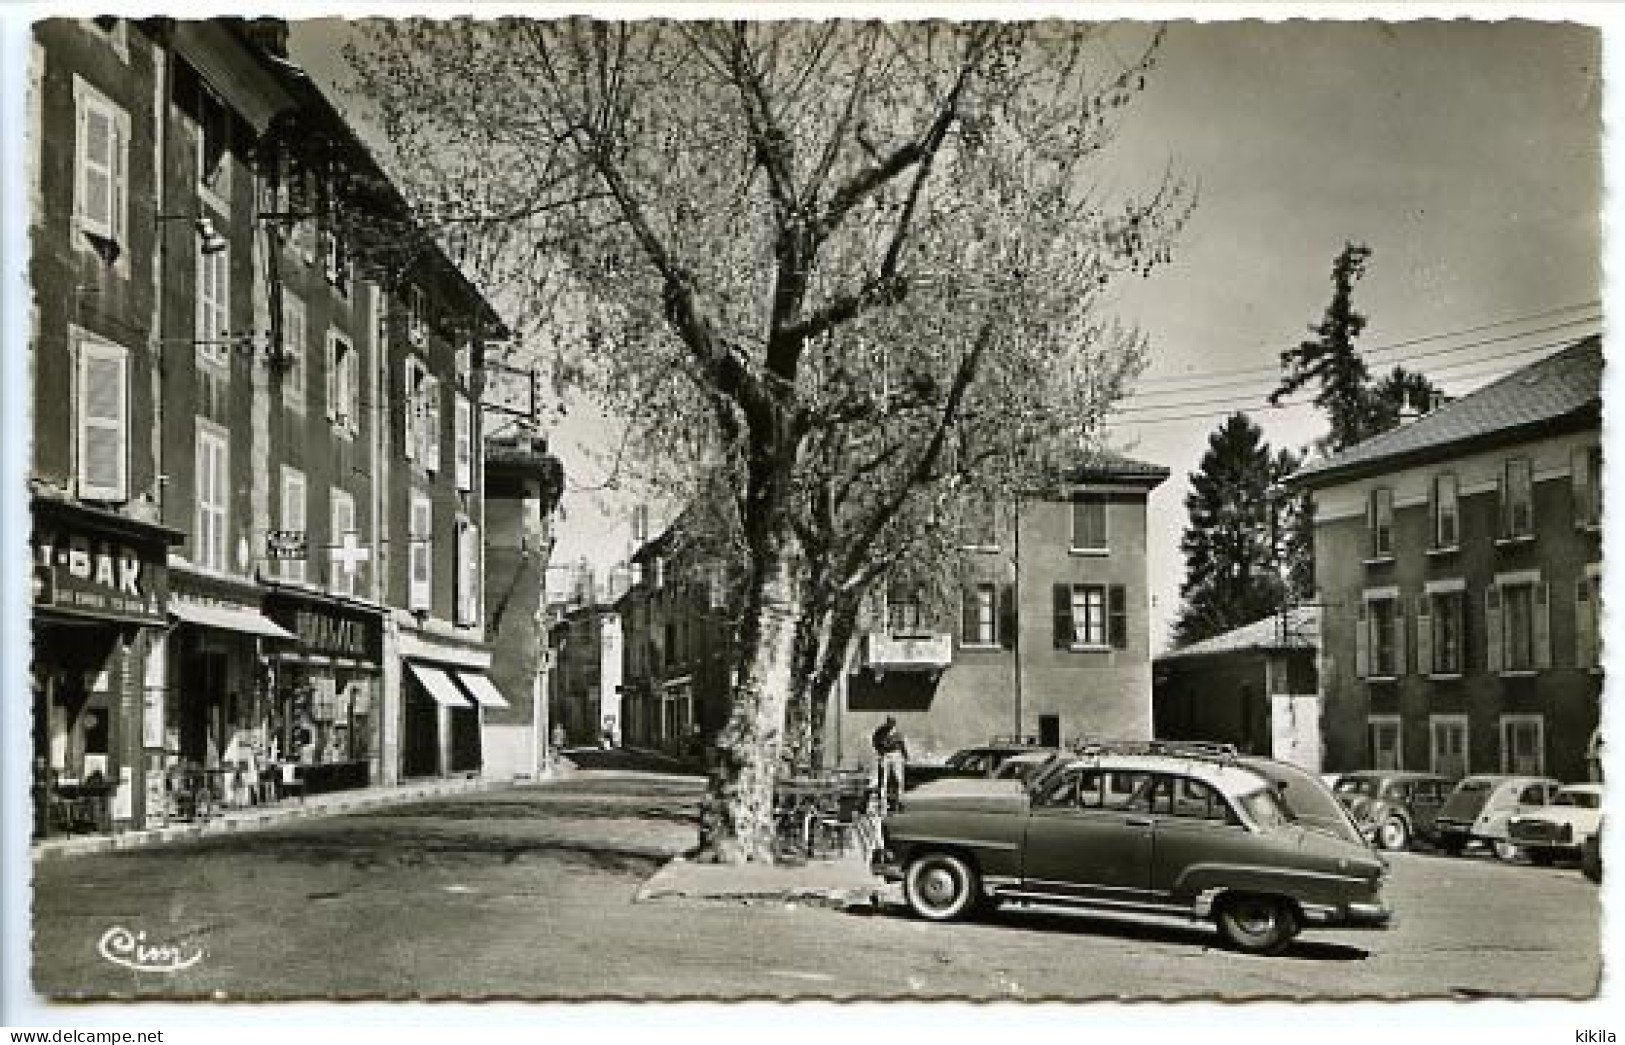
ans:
(1427, 796)
(1193, 825)
(1088, 836)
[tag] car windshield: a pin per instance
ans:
(1578, 799)
(970, 758)
(1356, 785)
(1266, 809)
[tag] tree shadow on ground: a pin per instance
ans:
(644, 808)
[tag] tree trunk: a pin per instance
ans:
(737, 823)
(834, 652)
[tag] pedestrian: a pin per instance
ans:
(891, 754)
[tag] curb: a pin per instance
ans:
(234, 823)
(838, 898)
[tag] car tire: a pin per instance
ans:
(1394, 834)
(1591, 861)
(940, 887)
(1257, 924)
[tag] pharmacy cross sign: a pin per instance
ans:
(348, 555)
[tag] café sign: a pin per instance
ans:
(78, 573)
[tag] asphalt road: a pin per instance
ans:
(528, 893)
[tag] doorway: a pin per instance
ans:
(1049, 730)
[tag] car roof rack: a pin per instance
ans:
(1194, 749)
(1014, 740)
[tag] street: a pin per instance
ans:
(527, 892)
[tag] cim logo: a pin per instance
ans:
(131, 950)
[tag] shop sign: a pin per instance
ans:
(328, 630)
(78, 573)
(286, 544)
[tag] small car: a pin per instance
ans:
(1205, 838)
(1393, 807)
(968, 762)
(1561, 828)
(1480, 807)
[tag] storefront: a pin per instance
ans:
(327, 711)
(100, 594)
(445, 689)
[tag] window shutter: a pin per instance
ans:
(409, 411)
(462, 423)
(1503, 510)
(1401, 665)
(333, 408)
(1585, 626)
(1492, 628)
(1118, 603)
(459, 579)
(1424, 635)
(97, 146)
(968, 630)
(431, 425)
(1542, 613)
(1007, 616)
(116, 194)
(471, 562)
(1063, 616)
(103, 422)
(1580, 474)
(1362, 641)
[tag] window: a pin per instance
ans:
(293, 518)
(113, 30)
(103, 408)
(343, 384)
(336, 262)
(1449, 745)
(422, 544)
(1587, 621)
(343, 564)
(212, 483)
(1089, 522)
(1383, 734)
(417, 317)
(1517, 510)
(412, 409)
(1585, 473)
(1088, 615)
(294, 335)
(214, 306)
(428, 405)
(101, 166)
(213, 147)
(1380, 515)
(981, 616)
(1523, 744)
(467, 607)
(1446, 527)
(1380, 640)
(1439, 630)
(1516, 624)
(903, 612)
(463, 441)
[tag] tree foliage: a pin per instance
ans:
(826, 271)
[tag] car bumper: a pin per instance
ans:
(1368, 914)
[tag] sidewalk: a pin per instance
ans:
(256, 817)
(842, 882)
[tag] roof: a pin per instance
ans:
(1565, 386)
(1102, 464)
(1301, 631)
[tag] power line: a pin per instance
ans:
(1410, 342)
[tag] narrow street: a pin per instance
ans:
(527, 892)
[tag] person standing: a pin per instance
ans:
(891, 755)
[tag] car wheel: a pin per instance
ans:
(1505, 850)
(1257, 924)
(940, 886)
(1591, 861)
(1394, 834)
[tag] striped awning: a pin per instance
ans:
(482, 689)
(440, 686)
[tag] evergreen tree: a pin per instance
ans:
(1235, 537)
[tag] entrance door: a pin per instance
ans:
(202, 701)
(1088, 836)
(1049, 730)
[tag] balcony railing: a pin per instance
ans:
(923, 651)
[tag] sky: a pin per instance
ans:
(1467, 155)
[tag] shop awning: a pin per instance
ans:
(227, 618)
(440, 686)
(482, 689)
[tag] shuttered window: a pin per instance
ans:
(1089, 522)
(412, 408)
(214, 305)
(980, 615)
(103, 421)
(417, 317)
(1380, 516)
(293, 519)
(343, 380)
(1585, 473)
(1446, 518)
(1517, 506)
(1587, 617)
(295, 332)
(463, 436)
(101, 159)
(1090, 616)
(421, 558)
(213, 483)
(342, 535)
(213, 147)
(431, 449)
(467, 606)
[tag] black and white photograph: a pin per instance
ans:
(747, 503)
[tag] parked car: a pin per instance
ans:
(969, 762)
(1560, 829)
(1392, 807)
(1206, 838)
(1307, 797)
(1021, 768)
(1480, 807)
(1591, 856)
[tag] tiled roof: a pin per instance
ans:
(1301, 631)
(1109, 464)
(1558, 386)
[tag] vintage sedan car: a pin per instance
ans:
(1134, 833)
(1307, 797)
(967, 763)
(1023, 767)
(1392, 806)
(1481, 806)
(1561, 828)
